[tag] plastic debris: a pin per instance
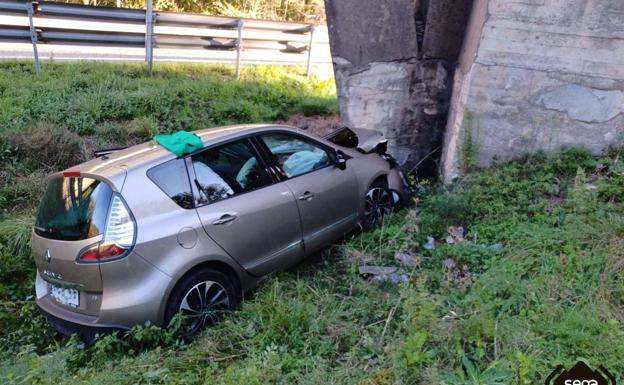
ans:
(430, 244)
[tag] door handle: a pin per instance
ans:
(306, 196)
(225, 218)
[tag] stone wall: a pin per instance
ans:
(536, 75)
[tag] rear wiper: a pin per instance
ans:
(46, 230)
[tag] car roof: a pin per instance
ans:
(116, 162)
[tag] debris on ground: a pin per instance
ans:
(451, 316)
(383, 273)
(377, 270)
(430, 244)
(456, 274)
(407, 259)
(394, 278)
(456, 235)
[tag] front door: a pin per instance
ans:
(327, 196)
(241, 208)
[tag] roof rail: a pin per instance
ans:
(107, 151)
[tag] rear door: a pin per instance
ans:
(72, 216)
(242, 208)
(327, 197)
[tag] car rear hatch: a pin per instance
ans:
(72, 218)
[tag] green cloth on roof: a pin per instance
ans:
(180, 143)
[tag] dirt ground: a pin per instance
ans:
(318, 125)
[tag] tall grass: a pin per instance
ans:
(550, 296)
(83, 96)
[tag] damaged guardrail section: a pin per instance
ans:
(47, 22)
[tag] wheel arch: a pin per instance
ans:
(383, 179)
(214, 264)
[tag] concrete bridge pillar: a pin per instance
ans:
(394, 62)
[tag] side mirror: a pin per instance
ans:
(341, 160)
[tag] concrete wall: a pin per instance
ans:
(536, 75)
(393, 63)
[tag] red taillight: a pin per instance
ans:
(90, 255)
(101, 252)
(118, 238)
(111, 251)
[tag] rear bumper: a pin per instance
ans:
(67, 322)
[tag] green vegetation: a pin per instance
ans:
(59, 117)
(307, 11)
(535, 282)
(469, 148)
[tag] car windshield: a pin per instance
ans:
(73, 209)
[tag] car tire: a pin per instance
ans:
(379, 203)
(203, 297)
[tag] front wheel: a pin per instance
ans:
(378, 205)
(202, 298)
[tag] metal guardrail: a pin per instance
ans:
(60, 23)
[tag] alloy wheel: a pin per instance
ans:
(378, 205)
(204, 304)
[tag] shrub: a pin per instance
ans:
(47, 146)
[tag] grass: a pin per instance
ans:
(58, 118)
(87, 98)
(535, 282)
(470, 313)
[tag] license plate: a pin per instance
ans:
(69, 297)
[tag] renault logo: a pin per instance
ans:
(47, 255)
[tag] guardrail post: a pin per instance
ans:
(149, 35)
(33, 36)
(239, 47)
(309, 66)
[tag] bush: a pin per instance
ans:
(47, 146)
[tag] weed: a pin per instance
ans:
(469, 148)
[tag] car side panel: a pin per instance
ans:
(332, 209)
(133, 291)
(170, 238)
(367, 168)
(266, 234)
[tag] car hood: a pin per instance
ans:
(362, 139)
(368, 139)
